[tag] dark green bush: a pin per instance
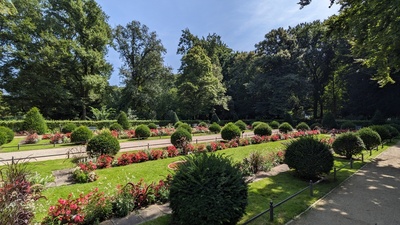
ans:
(3, 137)
(215, 118)
(81, 134)
(103, 144)
(9, 134)
(329, 121)
(68, 128)
(230, 131)
(302, 126)
(186, 127)
(348, 125)
(171, 117)
(34, 122)
(178, 135)
(122, 120)
(142, 132)
(203, 124)
(274, 124)
(207, 189)
(370, 138)
(152, 126)
(215, 128)
(116, 126)
(262, 129)
(253, 125)
(242, 125)
(287, 117)
(395, 125)
(348, 144)
(393, 131)
(378, 118)
(309, 157)
(285, 127)
(316, 126)
(383, 131)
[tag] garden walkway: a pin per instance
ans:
(369, 197)
(62, 153)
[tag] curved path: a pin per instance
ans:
(369, 197)
(62, 153)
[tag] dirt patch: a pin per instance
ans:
(62, 177)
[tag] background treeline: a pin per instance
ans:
(52, 56)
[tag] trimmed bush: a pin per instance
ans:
(177, 136)
(116, 126)
(203, 124)
(9, 134)
(302, 126)
(3, 137)
(382, 131)
(262, 129)
(68, 128)
(393, 131)
(348, 144)
(242, 125)
(378, 118)
(309, 157)
(253, 125)
(186, 127)
(103, 144)
(152, 126)
(207, 189)
(215, 128)
(142, 132)
(329, 121)
(285, 128)
(177, 124)
(230, 131)
(215, 118)
(34, 122)
(348, 125)
(274, 124)
(81, 134)
(370, 138)
(122, 120)
(287, 117)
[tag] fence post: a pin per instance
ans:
(54, 144)
(334, 174)
(370, 152)
(216, 139)
(196, 141)
(18, 146)
(311, 188)
(148, 146)
(68, 155)
(12, 160)
(271, 211)
(362, 158)
(351, 163)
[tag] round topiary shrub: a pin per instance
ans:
(348, 125)
(348, 144)
(122, 119)
(302, 126)
(393, 131)
(215, 128)
(203, 124)
(329, 121)
(152, 126)
(285, 128)
(274, 124)
(309, 157)
(178, 135)
(370, 138)
(210, 189)
(186, 127)
(262, 129)
(230, 131)
(253, 125)
(9, 134)
(34, 122)
(142, 131)
(3, 137)
(383, 132)
(242, 125)
(68, 128)
(116, 126)
(103, 144)
(81, 135)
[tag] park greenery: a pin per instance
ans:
(53, 57)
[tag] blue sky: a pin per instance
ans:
(240, 23)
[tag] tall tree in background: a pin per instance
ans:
(142, 71)
(199, 88)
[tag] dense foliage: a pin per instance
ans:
(116, 127)
(309, 157)
(383, 131)
(215, 128)
(370, 138)
(103, 144)
(8, 133)
(329, 121)
(200, 189)
(302, 126)
(348, 144)
(68, 128)
(34, 122)
(142, 132)
(230, 131)
(242, 125)
(180, 137)
(122, 120)
(285, 127)
(262, 129)
(81, 134)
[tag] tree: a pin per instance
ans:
(143, 69)
(199, 89)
